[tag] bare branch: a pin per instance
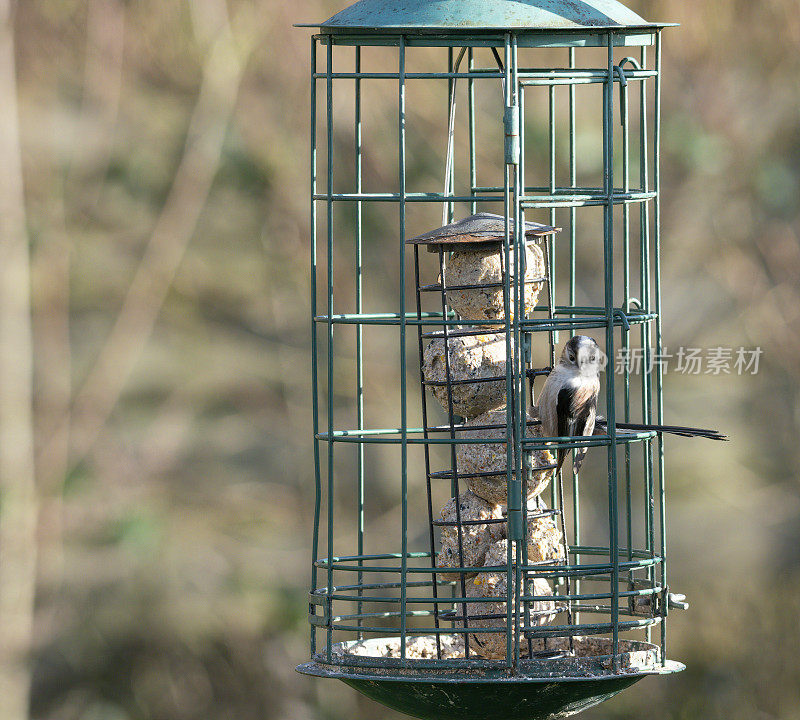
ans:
(221, 78)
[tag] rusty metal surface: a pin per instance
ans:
(485, 14)
(479, 228)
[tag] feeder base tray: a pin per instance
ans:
(539, 689)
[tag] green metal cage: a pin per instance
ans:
(368, 607)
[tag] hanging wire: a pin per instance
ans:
(451, 125)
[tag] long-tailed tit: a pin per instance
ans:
(568, 401)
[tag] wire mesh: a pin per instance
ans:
(597, 589)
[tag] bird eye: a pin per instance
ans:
(571, 357)
(592, 359)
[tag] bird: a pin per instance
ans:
(568, 401)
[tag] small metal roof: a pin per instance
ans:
(471, 15)
(479, 228)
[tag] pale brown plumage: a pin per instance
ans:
(568, 401)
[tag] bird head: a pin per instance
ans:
(582, 354)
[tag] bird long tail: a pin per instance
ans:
(680, 430)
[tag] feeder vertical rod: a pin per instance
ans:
(426, 451)
(552, 123)
(573, 181)
(314, 358)
(626, 295)
(519, 379)
(473, 171)
(525, 466)
(447, 216)
(550, 265)
(401, 144)
(511, 500)
(451, 157)
(549, 240)
(453, 450)
(608, 132)
(552, 159)
(659, 339)
(551, 260)
(647, 412)
(329, 188)
(359, 330)
(644, 220)
(557, 485)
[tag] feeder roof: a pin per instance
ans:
(471, 15)
(479, 228)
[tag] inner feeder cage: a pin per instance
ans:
(495, 585)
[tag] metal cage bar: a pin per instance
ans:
(647, 390)
(314, 349)
(401, 145)
(608, 258)
(659, 340)
(573, 182)
(329, 276)
(359, 270)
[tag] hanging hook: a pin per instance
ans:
(623, 84)
(452, 123)
(631, 61)
(623, 93)
(632, 304)
(620, 313)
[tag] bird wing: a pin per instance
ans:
(589, 413)
(576, 408)
(547, 407)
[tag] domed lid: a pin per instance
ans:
(480, 228)
(471, 15)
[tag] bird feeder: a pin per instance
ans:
(519, 591)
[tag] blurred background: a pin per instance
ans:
(157, 483)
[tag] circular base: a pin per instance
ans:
(532, 693)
